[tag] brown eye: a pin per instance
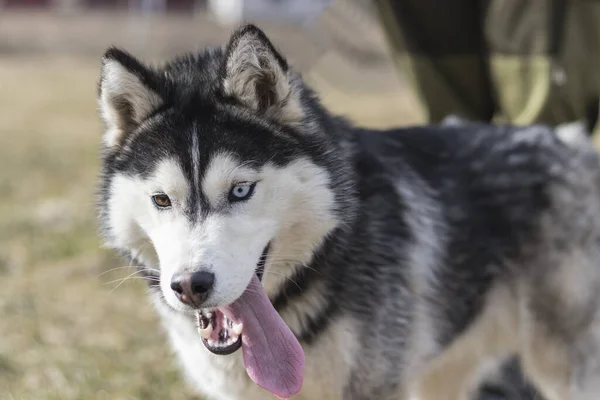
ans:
(161, 201)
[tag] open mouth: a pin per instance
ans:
(273, 356)
(219, 334)
(222, 334)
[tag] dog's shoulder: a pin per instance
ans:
(495, 155)
(501, 170)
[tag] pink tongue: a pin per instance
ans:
(273, 356)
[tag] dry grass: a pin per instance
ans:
(66, 331)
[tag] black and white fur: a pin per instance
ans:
(403, 260)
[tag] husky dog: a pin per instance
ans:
(293, 254)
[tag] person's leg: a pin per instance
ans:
(544, 60)
(440, 50)
(579, 57)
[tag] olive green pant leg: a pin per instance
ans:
(577, 90)
(444, 81)
(539, 62)
(544, 69)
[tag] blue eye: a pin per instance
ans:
(241, 191)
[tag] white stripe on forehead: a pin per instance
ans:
(195, 158)
(223, 171)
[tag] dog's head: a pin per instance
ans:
(209, 162)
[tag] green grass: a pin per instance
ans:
(65, 331)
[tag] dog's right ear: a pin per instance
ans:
(125, 95)
(256, 76)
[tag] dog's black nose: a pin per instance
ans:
(193, 289)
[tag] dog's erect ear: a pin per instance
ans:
(125, 95)
(257, 76)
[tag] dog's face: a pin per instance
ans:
(208, 163)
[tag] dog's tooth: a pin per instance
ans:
(229, 342)
(206, 332)
(237, 329)
(203, 322)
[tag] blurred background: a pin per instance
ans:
(70, 326)
(74, 320)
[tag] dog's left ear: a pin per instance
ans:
(257, 76)
(126, 95)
